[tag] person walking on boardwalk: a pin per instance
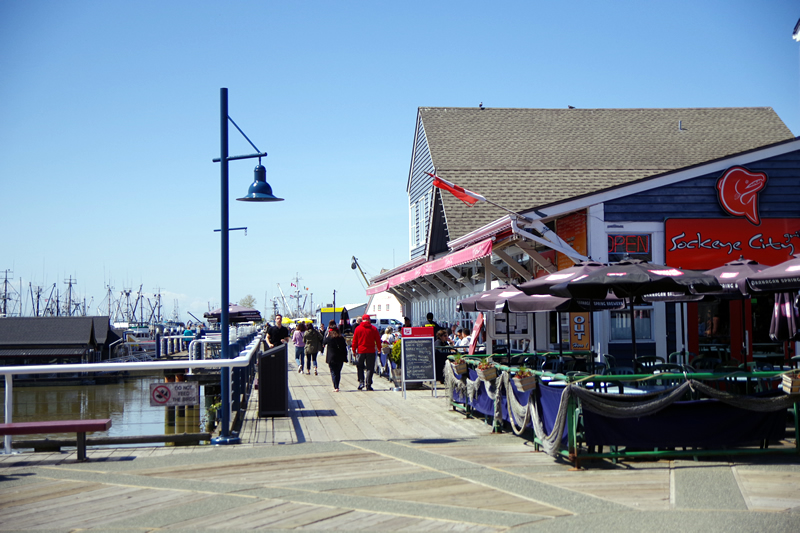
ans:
(366, 345)
(299, 345)
(313, 340)
(277, 334)
(335, 355)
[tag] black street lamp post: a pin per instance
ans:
(259, 191)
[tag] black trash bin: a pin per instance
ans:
(273, 382)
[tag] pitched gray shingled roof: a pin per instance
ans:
(46, 331)
(524, 158)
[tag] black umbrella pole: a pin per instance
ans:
(508, 337)
(633, 327)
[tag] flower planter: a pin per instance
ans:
(525, 384)
(487, 374)
(791, 385)
(460, 368)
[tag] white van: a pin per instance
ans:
(383, 323)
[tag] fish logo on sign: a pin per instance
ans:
(738, 190)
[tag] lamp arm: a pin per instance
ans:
(355, 261)
(243, 135)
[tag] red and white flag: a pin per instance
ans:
(468, 197)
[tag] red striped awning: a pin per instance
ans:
(454, 259)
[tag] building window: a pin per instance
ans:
(621, 324)
(379, 307)
(414, 220)
(387, 307)
(635, 246)
(418, 218)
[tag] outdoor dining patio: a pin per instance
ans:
(584, 405)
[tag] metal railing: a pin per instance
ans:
(242, 376)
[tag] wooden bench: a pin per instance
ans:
(81, 427)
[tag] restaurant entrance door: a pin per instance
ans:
(714, 330)
(725, 332)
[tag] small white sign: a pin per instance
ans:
(174, 394)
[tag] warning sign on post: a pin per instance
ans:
(174, 394)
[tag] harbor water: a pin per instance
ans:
(126, 403)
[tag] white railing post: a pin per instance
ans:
(9, 410)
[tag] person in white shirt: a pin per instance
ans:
(454, 334)
(463, 338)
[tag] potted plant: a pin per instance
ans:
(487, 371)
(212, 414)
(395, 358)
(459, 364)
(790, 384)
(524, 380)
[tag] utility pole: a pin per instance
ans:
(5, 296)
(69, 283)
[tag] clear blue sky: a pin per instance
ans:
(110, 120)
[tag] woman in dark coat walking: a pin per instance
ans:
(336, 354)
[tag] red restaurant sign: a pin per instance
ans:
(705, 243)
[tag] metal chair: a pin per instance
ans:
(617, 371)
(673, 374)
(610, 360)
(706, 363)
(534, 361)
(594, 367)
(645, 364)
(567, 364)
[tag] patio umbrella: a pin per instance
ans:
(634, 278)
(782, 277)
(732, 277)
(487, 301)
(236, 313)
(542, 285)
(535, 303)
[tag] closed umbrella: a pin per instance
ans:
(784, 324)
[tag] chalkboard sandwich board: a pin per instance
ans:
(418, 362)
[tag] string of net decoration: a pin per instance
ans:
(523, 415)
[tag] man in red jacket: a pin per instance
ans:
(366, 345)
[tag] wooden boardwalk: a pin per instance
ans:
(372, 461)
(320, 415)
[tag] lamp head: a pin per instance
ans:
(260, 191)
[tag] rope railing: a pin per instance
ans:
(576, 396)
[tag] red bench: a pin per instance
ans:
(81, 427)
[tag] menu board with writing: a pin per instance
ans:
(418, 360)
